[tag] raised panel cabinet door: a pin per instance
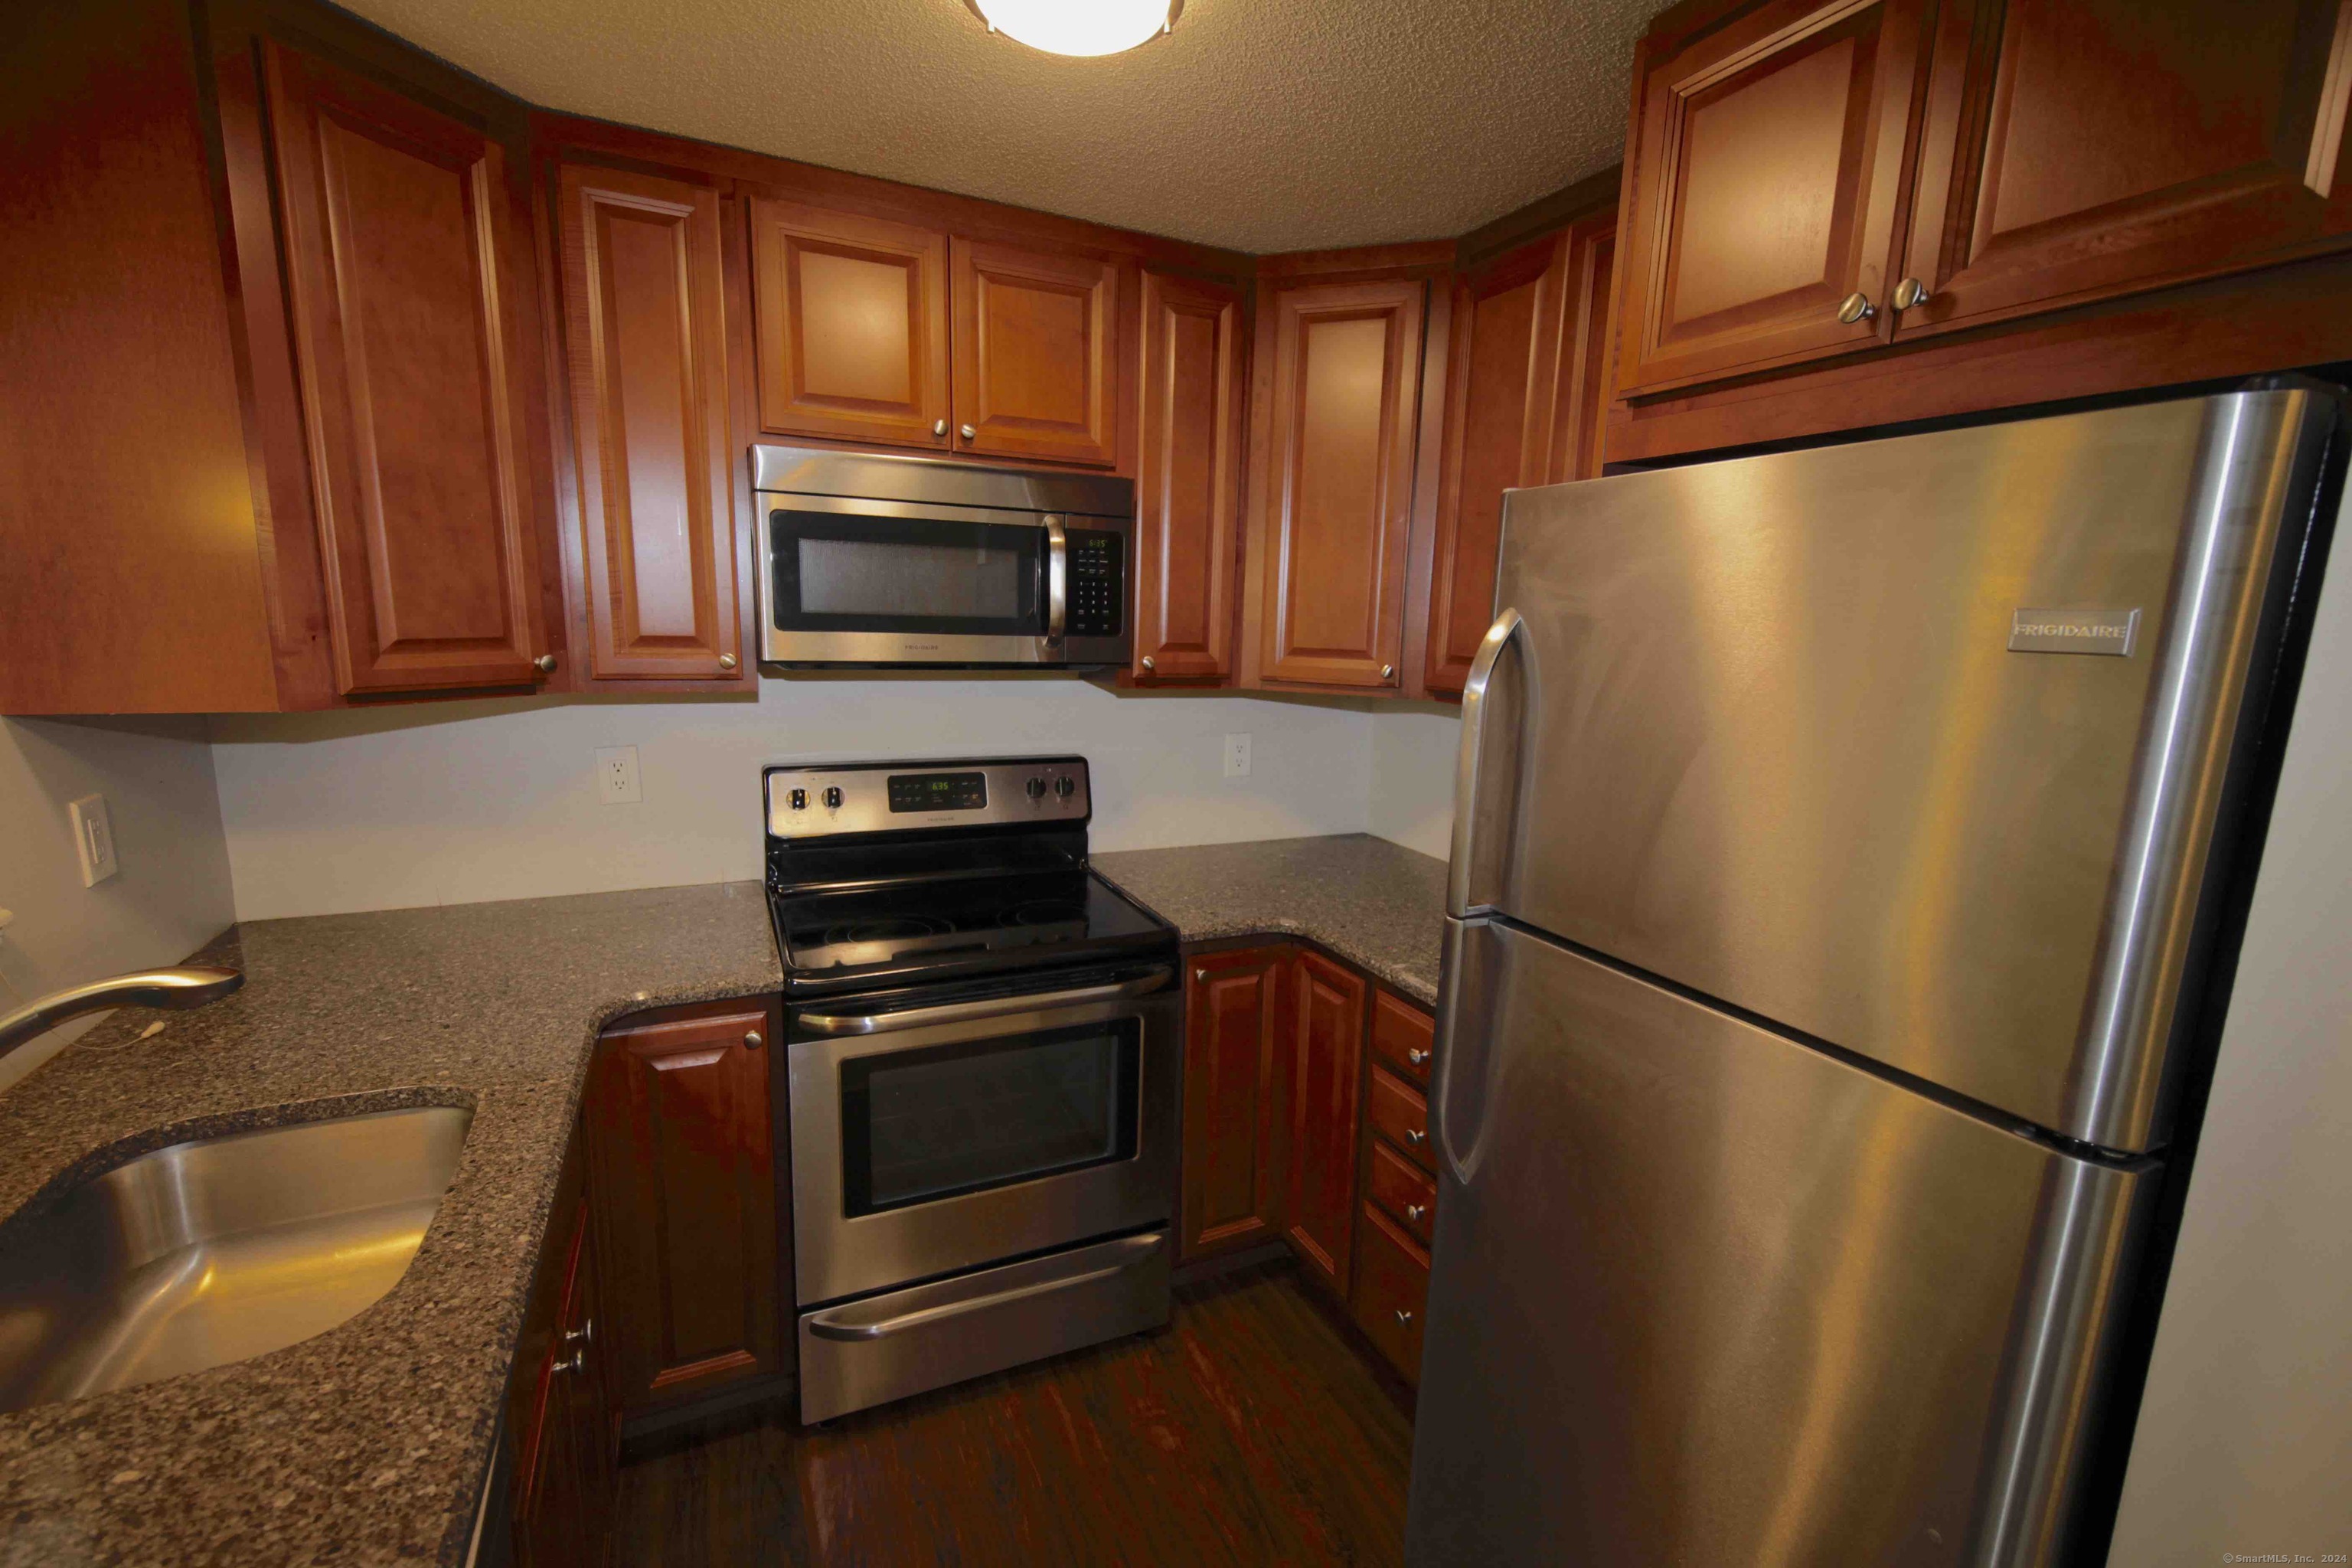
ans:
(851, 325)
(684, 1171)
(1588, 369)
(2075, 150)
(589, 1405)
(550, 1507)
(1188, 494)
(1333, 509)
(1233, 1052)
(401, 264)
(646, 337)
(1501, 381)
(1767, 167)
(1326, 1062)
(1035, 353)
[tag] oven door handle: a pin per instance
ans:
(987, 1008)
(1122, 1257)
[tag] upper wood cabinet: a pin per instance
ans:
(1325, 1054)
(1234, 1029)
(682, 1164)
(2079, 149)
(1187, 485)
(853, 325)
(1332, 451)
(645, 343)
(401, 261)
(1035, 353)
(1763, 184)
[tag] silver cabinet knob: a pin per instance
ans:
(1856, 307)
(1387, 672)
(576, 1361)
(544, 664)
(1200, 974)
(1148, 665)
(967, 432)
(1405, 1317)
(1416, 1057)
(1417, 1212)
(581, 1335)
(1910, 292)
(938, 426)
(726, 661)
(1416, 1136)
(752, 1040)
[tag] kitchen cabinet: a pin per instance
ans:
(1398, 1218)
(1333, 449)
(401, 265)
(559, 1412)
(1391, 1292)
(1525, 392)
(652, 546)
(2075, 150)
(1763, 184)
(1325, 1060)
(682, 1149)
(1036, 354)
(1235, 1027)
(1187, 480)
(853, 326)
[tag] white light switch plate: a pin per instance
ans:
(616, 776)
(1237, 756)
(93, 839)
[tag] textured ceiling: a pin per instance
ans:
(1259, 124)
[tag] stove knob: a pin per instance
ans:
(800, 800)
(1036, 788)
(1065, 786)
(832, 797)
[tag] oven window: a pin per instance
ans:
(839, 573)
(926, 1124)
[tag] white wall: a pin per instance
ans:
(1412, 759)
(172, 894)
(450, 803)
(2244, 1441)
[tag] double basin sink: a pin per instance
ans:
(217, 1249)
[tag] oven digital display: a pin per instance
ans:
(937, 791)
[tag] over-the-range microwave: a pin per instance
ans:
(881, 561)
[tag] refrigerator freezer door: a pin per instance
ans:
(1704, 1295)
(1789, 730)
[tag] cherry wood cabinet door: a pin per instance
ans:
(851, 316)
(1036, 352)
(1188, 494)
(1324, 1052)
(1767, 167)
(1588, 369)
(564, 1448)
(646, 337)
(682, 1142)
(399, 242)
(1331, 502)
(1233, 1036)
(2075, 150)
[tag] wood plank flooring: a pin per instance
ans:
(1250, 1431)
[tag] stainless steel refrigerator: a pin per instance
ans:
(1845, 851)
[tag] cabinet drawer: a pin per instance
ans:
(1391, 1288)
(1402, 1036)
(1402, 1188)
(1399, 1115)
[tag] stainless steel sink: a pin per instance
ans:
(215, 1250)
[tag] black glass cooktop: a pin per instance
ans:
(958, 925)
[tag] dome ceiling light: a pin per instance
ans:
(1078, 26)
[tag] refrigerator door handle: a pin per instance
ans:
(1508, 625)
(1468, 983)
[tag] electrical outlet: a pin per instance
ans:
(616, 776)
(93, 839)
(1237, 754)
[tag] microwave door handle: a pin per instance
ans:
(986, 1007)
(1057, 579)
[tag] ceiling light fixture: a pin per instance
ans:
(1078, 26)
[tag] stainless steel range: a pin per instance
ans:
(984, 1070)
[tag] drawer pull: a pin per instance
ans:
(1417, 1212)
(1416, 1058)
(1416, 1136)
(1405, 1317)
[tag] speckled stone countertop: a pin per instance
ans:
(1376, 904)
(367, 1444)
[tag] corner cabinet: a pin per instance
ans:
(1187, 483)
(1235, 1027)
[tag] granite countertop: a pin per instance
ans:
(367, 1444)
(1379, 905)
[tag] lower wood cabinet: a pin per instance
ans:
(560, 1410)
(1234, 1030)
(1391, 1291)
(1325, 1065)
(682, 1146)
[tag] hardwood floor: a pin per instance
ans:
(1248, 1432)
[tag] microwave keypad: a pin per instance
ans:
(1096, 579)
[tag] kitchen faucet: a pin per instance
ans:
(178, 989)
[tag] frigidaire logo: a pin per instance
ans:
(2073, 631)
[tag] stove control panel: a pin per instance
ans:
(886, 797)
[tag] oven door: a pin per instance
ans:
(947, 1129)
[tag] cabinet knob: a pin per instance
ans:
(751, 1040)
(1910, 292)
(1416, 1057)
(726, 661)
(1405, 1317)
(1200, 974)
(1387, 672)
(575, 1362)
(938, 426)
(544, 664)
(1856, 307)
(967, 433)
(1416, 1136)
(1417, 1212)
(1148, 665)
(581, 1335)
